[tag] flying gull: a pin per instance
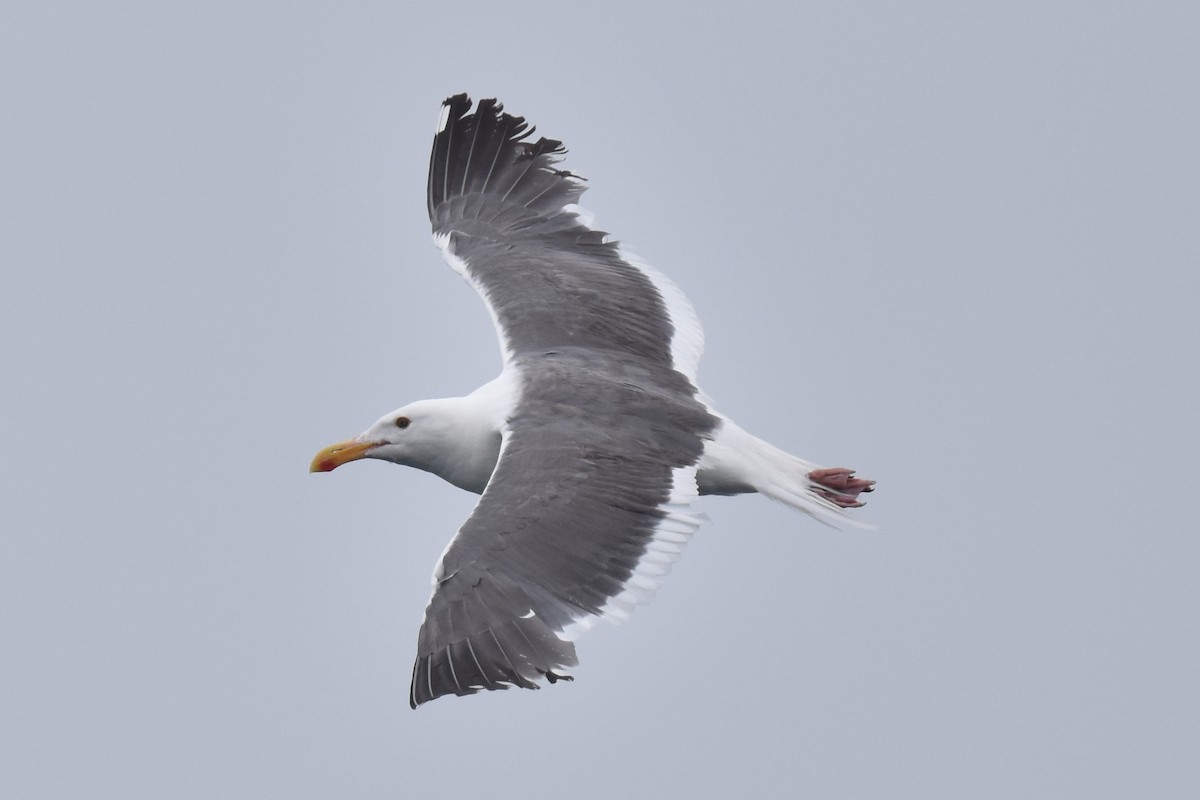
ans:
(590, 447)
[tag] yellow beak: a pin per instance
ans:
(335, 455)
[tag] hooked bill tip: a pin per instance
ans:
(335, 455)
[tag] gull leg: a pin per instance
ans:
(839, 486)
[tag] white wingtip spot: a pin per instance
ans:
(586, 218)
(444, 117)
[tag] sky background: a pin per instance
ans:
(953, 245)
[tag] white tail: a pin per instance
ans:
(735, 462)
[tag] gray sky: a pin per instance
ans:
(952, 245)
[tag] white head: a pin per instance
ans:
(446, 437)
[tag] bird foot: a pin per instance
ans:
(839, 486)
(554, 677)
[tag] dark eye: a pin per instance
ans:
(403, 422)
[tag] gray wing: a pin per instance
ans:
(583, 509)
(589, 497)
(506, 215)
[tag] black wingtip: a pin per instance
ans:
(518, 652)
(485, 151)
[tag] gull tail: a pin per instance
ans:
(735, 462)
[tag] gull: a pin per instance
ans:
(591, 446)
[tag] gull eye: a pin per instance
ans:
(403, 422)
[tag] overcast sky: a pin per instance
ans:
(953, 245)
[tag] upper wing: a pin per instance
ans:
(507, 220)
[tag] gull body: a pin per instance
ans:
(459, 439)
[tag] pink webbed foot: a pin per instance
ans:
(839, 486)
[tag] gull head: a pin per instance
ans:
(412, 435)
(454, 438)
